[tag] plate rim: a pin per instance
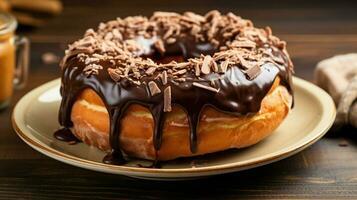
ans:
(327, 116)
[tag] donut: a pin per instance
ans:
(175, 85)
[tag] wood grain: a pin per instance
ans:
(313, 30)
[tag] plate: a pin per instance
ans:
(35, 120)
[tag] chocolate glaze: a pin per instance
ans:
(237, 94)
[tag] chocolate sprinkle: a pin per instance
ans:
(253, 72)
(154, 89)
(223, 66)
(167, 99)
(206, 65)
(197, 70)
(180, 72)
(150, 71)
(114, 74)
(164, 78)
(159, 45)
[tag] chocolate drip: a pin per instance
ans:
(114, 117)
(114, 158)
(65, 135)
(193, 119)
(238, 95)
(158, 116)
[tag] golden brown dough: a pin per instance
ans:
(217, 131)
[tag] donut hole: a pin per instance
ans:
(184, 49)
(167, 59)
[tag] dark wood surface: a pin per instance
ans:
(314, 31)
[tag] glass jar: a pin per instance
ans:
(14, 58)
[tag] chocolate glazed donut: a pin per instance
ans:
(227, 64)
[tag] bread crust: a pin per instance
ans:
(217, 131)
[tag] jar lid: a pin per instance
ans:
(8, 23)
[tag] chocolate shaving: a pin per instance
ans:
(197, 70)
(214, 42)
(180, 79)
(126, 71)
(244, 44)
(159, 14)
(195, 30)
(253, 71)
(205, 87)
(268, 31)
(168, 33)
(182, 65)
(170, 40)
(92, 69)
(117, 35)
(214, 66)
(154, 89)
(195, 17)
(180, 72)
(164, 78)
(150, 70)
(213, 84)
(206, 65)
(261, 37)
(114, 74)
(243, 62)
(167, 99)
(223, 66)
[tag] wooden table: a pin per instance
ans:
(313, 31)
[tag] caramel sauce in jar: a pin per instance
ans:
(7, 61)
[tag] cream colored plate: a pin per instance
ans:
(35, 120)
